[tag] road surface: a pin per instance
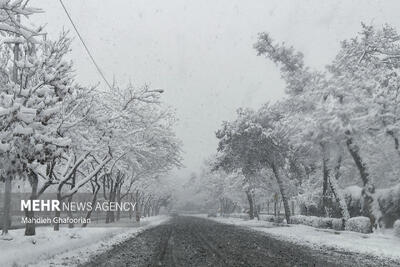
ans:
(191, 241)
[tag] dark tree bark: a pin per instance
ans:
(325, 173)
(283, 192)
(369, 188)
(109, 198)
(71, 225)
(131, 209)
(221, 205)
(251, 204)
(57, 212)
(96, 189)
(137, 206)
(118, 197)
(333, 185)
(7, 204)
(30, 227)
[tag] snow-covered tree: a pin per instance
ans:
(352, 107)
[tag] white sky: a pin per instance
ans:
(200, 52)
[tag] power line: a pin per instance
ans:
(84, 44)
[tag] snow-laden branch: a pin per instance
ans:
(86, 179)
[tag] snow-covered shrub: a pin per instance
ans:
(318, 222)
(271, 218)
(309, 207)
(353, 197)
(396, 228)
(278, 219)
(337, 224)
(297, 219)
(309, 220)
(389, 202)
(359, 224)
(267, 217)
(314, 221)
(321, 222)
(301, 219)
(237, 215)
(244, 216)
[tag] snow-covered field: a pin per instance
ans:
(68, 247)
(384, 244)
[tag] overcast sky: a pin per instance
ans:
(200, 52)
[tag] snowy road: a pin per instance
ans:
(190, 241)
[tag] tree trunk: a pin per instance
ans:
(130, 208)
(57, 212)
(337, 192)
(292, 202)
(94, 200)
(119, 202)
(71, 225)
(368, 187)
(111, 198)
(7, 204)
(112, 214)
(283, 192)
(255, 206)
(69, 212)
(325, 173)
(251, 204)
(30, 228)
(339, 198)
(221, 204)
(137, 207)
(137, 215)
(8, 178)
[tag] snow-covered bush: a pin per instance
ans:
(239, 215)
(302, 219)
(309, 220)
(279, 219)
(308, 204)
(243, 216)
(354, 201)
(297, 219)
(318, 222)
(359, 224)
(389, 203)
(388, 199)
(396, 228)
(267, 217)
(337, 224)
(321, 222)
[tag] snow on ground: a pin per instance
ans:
(384, 244)
(68, 247)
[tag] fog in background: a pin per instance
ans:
(200, 52)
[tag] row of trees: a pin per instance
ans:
(63, 137)
(335, 128)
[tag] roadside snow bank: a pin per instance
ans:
(68, 247)
(383, 245)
